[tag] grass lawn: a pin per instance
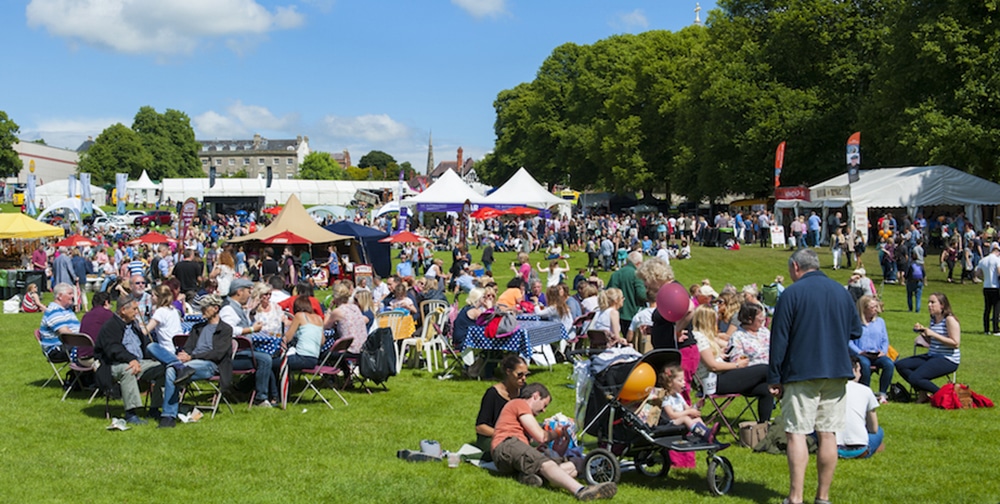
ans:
(313, 454)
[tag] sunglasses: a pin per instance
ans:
(140, 283)
(522, 375)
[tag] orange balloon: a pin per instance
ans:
(638, 383)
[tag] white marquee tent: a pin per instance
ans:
(521, 189)
(57, 190)
(143, 190)
(447, 194)
(309, 192)
(911, 188)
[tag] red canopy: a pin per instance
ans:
(286, 238)
(275, 210)
(521, 211)
(152, 237)
(76, 241)
(404, 237)
(486, 213)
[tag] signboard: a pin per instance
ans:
(188, 210)
(832, 192)
(363, 276)
(777, 236)
(792, 193)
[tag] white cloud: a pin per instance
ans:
(631, 20)
(157, 26)
(370, 128)
(482, 8)
(68, 133)
(241, 121)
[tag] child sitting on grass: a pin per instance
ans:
(678, 411)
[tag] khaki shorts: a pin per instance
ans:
(513, 455)
(814, 405)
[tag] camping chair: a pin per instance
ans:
(721, 402)
(769, 297)
(321, 371)
(598, 338)
(78, 341)
(578, 329)
(430, 339)
(56, 371)
(921, 342)
(217, 395)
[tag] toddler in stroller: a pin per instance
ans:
(609, 406)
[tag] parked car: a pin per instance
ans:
(106, 224)
(154, 217)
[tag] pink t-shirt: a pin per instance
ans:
(525, 271)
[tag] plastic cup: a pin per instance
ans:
(453, 460)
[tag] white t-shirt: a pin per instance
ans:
(860, 400)
(168, 325)
(664, 254)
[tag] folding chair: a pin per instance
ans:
(217, 395)
(578, 330)
(78, 341)
(56, 371)
(321, 371)
(430, 341)
(720, 403)
(394, 320)
(921, 342)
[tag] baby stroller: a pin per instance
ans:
(621, 433)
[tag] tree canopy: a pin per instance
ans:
(699, 112)
(320, 165)
(169, 138)
(117, 149)
(10, 162)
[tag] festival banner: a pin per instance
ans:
(87, 206)
(853, 157)
(29, 196)
(402, 211)
(188, 211)
(779, 163)
(71, 187)
(121, 179)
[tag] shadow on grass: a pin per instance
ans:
(696, 480)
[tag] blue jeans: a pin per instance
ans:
(913, 289)
(265, 383)
(814, 237)
(160, 353)
(108, 280)
(919, 370)
(296, 362)
(203, 370)
(874, 441)
(883, 363)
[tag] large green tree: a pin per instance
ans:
(170, 139)
(10, 163)
(320, 165)
(117, 149)
(380, 161)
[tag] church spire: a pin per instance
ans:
(430, 153)
(697, 14)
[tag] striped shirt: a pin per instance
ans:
(938, 348)
(55, 318)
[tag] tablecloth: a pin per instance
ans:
(529, 334)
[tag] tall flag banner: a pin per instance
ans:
(779, 163)
(188, 212)
(71, 187)
(399, 198)
(121, 180)
(30, 195)
(854, 157)
(85, 196)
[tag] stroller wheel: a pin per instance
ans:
(653, 463)
(601, 466)
(720, 475)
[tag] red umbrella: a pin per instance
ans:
(486, 213)
(286, 238)
(152, 237)
(275, 210)
(521, 211)
(76, 241)
(404, 237)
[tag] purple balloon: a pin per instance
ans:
(672, 301)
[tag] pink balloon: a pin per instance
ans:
(672, 301)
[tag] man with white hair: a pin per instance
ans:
(58, 319)
(632, 288)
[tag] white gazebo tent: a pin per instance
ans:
(57, 190)
(143, 190)
(521, 189)
(73, 205)
(447, 194)
(911, 188)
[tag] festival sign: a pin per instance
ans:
(792, 193)
(188, 210)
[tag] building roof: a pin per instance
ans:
(255, 144)
(451, 165)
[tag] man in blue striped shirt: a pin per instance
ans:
(58, 319)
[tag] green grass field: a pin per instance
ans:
(60, 451)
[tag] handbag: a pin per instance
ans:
(752, 433)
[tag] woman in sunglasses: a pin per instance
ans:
(515, 373)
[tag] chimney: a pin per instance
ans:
(458, 167)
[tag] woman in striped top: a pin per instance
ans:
(943, 356)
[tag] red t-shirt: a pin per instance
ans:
(509, 423)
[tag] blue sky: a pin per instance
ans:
(349, 74)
